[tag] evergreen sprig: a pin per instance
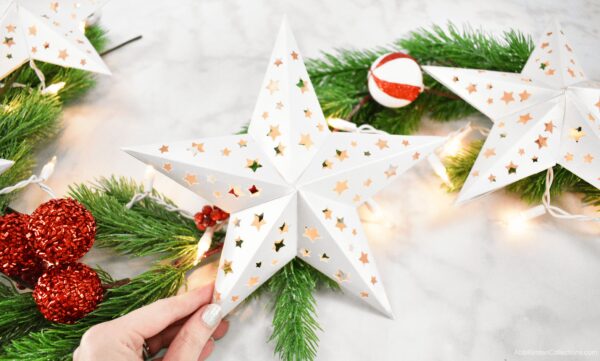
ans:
(29, 118)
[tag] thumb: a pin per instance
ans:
(194, 334)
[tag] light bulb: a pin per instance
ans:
(54, 88)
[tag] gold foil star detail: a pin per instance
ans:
(265, 115)
(523, 119)
(284, 228)
(252, 281)
(492, 178)
(10, 28)
(198, 146)
(294, 55)
(279, 105)
(367, 182)
(511, 168)
(273, 86)
(391, 171)
(167, 167)
(327, 213)
(306, 141)
(340, 187)
(364, 258)
(341, 155)
(339, 224)
(311, 233)
(190, 179)
(274, 131)
(568, 157)
(588, 158)
(243, 143)
(489, 152)
(225, 152)
(549, 127)
(382, 144)
(258, 221)
(576, 134)
(307, 113)
(541, 142)
(303, 85)
(327, 164)
(278, 62)
(341, 276)
(32, 30)
(416, 156)
(524, 95)
(227, 267)
(279, 149)
(62, 54)
(472, 88)
(163, 149)
(253, 164)
(507, 97)
(373, 279)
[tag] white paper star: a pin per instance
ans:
(25, 35)
(547, 114)
(293, 193)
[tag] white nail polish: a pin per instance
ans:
(211, 315)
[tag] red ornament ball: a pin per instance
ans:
(17, 259)
(66, 293)
(209, 216)
(395, 80)
(61, 230)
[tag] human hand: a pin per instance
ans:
(186, 324)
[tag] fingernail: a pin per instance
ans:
(211, 315)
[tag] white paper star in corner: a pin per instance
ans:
(291, 186)
(25, 35)
(547, 114)
(5, 164)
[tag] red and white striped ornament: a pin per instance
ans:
(395, 80)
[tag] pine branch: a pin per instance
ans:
(530, 189)
(19, 316)
(58, 342)
(146, 229)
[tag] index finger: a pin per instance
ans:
(155, 317)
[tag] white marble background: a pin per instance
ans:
(461, 286)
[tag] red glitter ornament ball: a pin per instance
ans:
(17, 259)
(209, 216)
(61, 230)
(66, 293)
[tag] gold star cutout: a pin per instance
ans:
(217, 296)
(341, 155)
(311, 233)
(239, 242)
(32, 30)
(198, 146)
(167, 167)
(368, 182)
(391, 171)
(327, 164)
(278, 245)
(492, 178)
(258, 221)
(273, 86)
(356, 198)
(305, 252)
(163, 149)
(507, 97)
(382, 144)
(303, 85)
(568, 157)
(306, 141)
(10, 28)
(46, 45)
(364, 294)
(225, 152)
(279, 105)
(571, 72)
(294, 55)
(521, 151)
(320, 127)
(327, 213)
(54, 6)
(598, 104)
(33, 49)
(353, 144)
(541, 142)
(354, 232)
(373, 279)
(455, 79)
(324, 257)
(243, 143)
(588, 158)
(475, 173)
(274, 131)
(511, 168)
(340, 187)
(545, 45)
(490, 101)
(279, 149)
(405, 143)
(278, 62)
(524, 95)
(416, 156)
(341, 276)
(265, 115)
(236, 222)
(548, 127)
(227, 267)
(252, 281)
(235, 298)
(576, 134)
(62, 54)
(523, 119)
(364, 258)
(284, 228)
(253, 164)
(472, 88)
(307, 113)
(339, 224)
(83, 62)
(9, 41)
(489, 152)
(190, 179)
(550, 72)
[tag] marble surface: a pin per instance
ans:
(462, 287)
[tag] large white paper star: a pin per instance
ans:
(25, 35)
(547, 114)
(291, 186)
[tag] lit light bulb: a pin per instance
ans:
(438, 168)
(48, 169)
(518, 222)
(54, 88)
(341, 124)
(454, 144)
(204, 244)
(149, 176)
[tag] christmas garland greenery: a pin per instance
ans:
(28, 117)
(339, 79)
